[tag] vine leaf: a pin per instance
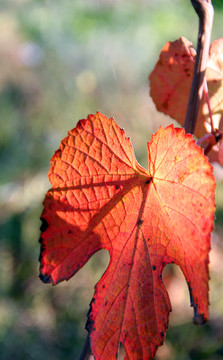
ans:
(170, 83)
(101, 198)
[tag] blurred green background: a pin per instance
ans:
(60, 61)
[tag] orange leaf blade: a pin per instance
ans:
(184, 185)
(90, 173)
(103, 199)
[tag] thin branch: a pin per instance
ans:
(205, 12)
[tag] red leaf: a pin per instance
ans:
(170, 83)
(171, 79)
(101, 198)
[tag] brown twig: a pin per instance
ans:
(205, 12)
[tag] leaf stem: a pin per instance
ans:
(206, 94)
(205, 12)
(86, 353)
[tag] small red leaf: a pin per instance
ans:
(171, 79)
(101, 198)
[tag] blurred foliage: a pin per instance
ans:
(59, 62)
(218, 4)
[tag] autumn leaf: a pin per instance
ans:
(101, 198)
(171, 79)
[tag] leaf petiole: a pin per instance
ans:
(208, 104)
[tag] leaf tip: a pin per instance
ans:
(199, 319)
(45, 278)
